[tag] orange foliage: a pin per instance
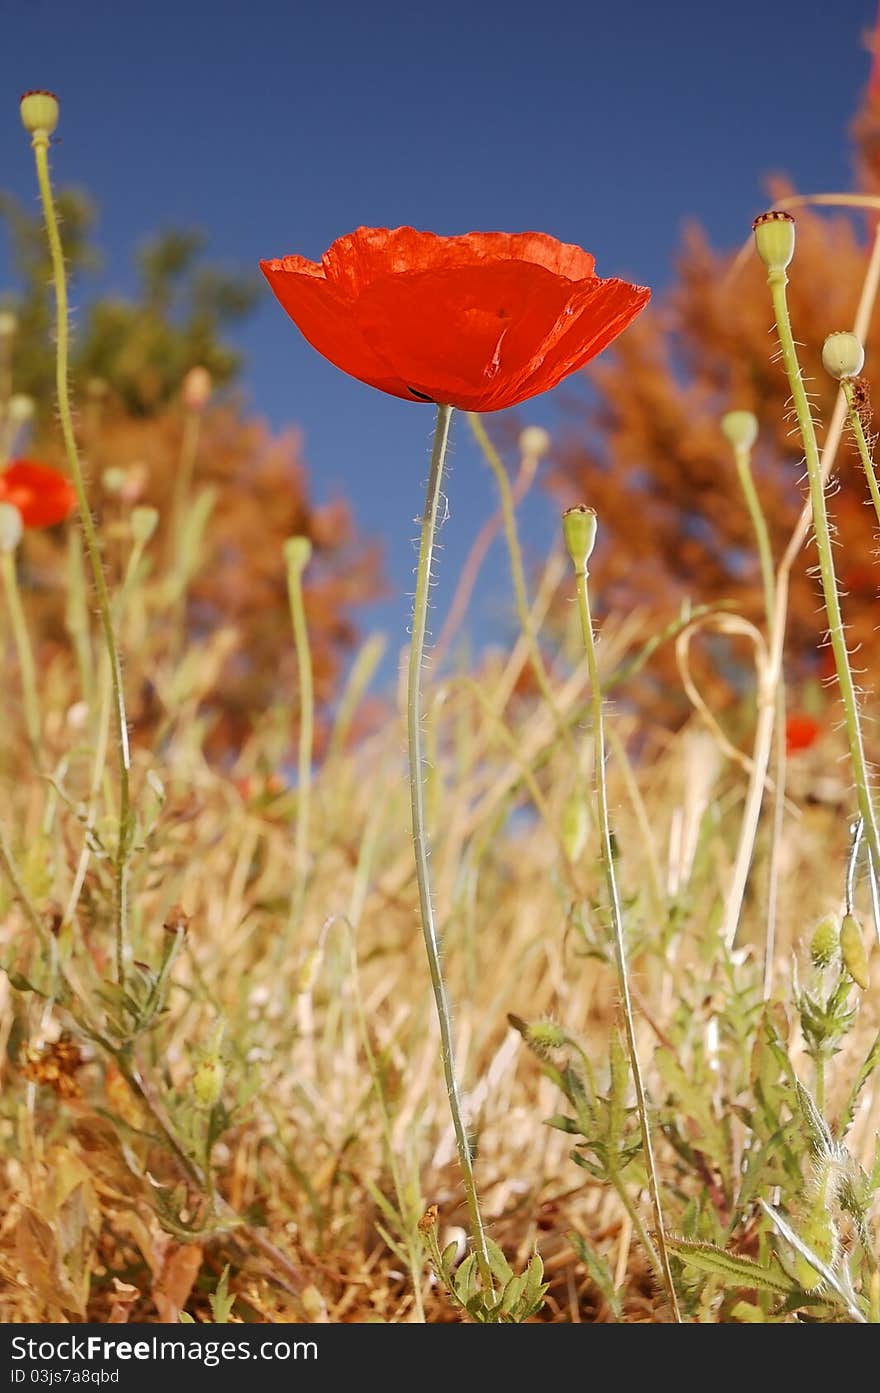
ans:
(653, 462)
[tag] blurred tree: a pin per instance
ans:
(150, 435)
(141, 347)
(649, 455)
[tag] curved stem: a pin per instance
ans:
(24, 650)
(40, 144)
(777, 281)
(420, 838)
(583, 597)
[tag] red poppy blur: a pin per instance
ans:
(42, 495)
(482, 321)
(801, 732)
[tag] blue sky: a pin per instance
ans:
(276, 127)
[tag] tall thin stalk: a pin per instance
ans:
(580, 532)
(40, 144)
(417, 772)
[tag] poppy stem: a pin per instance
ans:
(586, 618)
(420, 836)
(864, 449)
(777, 280)
(40, 144)
(24, 650)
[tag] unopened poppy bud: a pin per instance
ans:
(843, 355)
(197, 386)
(176, 920)
(534, 442)
(579, 526)
(825, 942)
(39, 112)
(114, 479)
(575, 826)
(740, 428)
(8, 324)
(20, 409)
(297, 553)
(852, 948)
(208, 1081)
(11, 527)
(774, 239)
(143, 522)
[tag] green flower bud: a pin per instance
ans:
(144, 522)
(297, 553)
(740, 428)
(825, 943)
(852, 947)
(545, 1036)
(774, 239)
(843, 355)
(575, 826)
(11, 527)
(39, 112)
(207, 1082)
(579, 525)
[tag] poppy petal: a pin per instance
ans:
(42, 495)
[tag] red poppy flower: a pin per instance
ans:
(482, 321)
(41, 495)
(801, 732)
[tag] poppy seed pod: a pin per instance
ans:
(208, 1081)
(774, 239)
(740, 428)
(297, 553)
(39, 112)
(579, 526)
(11, 527)
(534, 442)
(843, 355)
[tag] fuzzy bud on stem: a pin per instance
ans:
(774, 239)
(579, 525)
(825, 943)
(534, 442)
(297, 553)
(197, 387)
(843, 355)
(740, 429)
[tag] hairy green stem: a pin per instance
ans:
(420, 837)
(864, 449)
(583, 597)
(24, 651)
(777, 281)
(40, 142)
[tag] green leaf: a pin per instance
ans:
(735, 1271)
(221, 1302)
(599, 1271)
(499, 1266)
